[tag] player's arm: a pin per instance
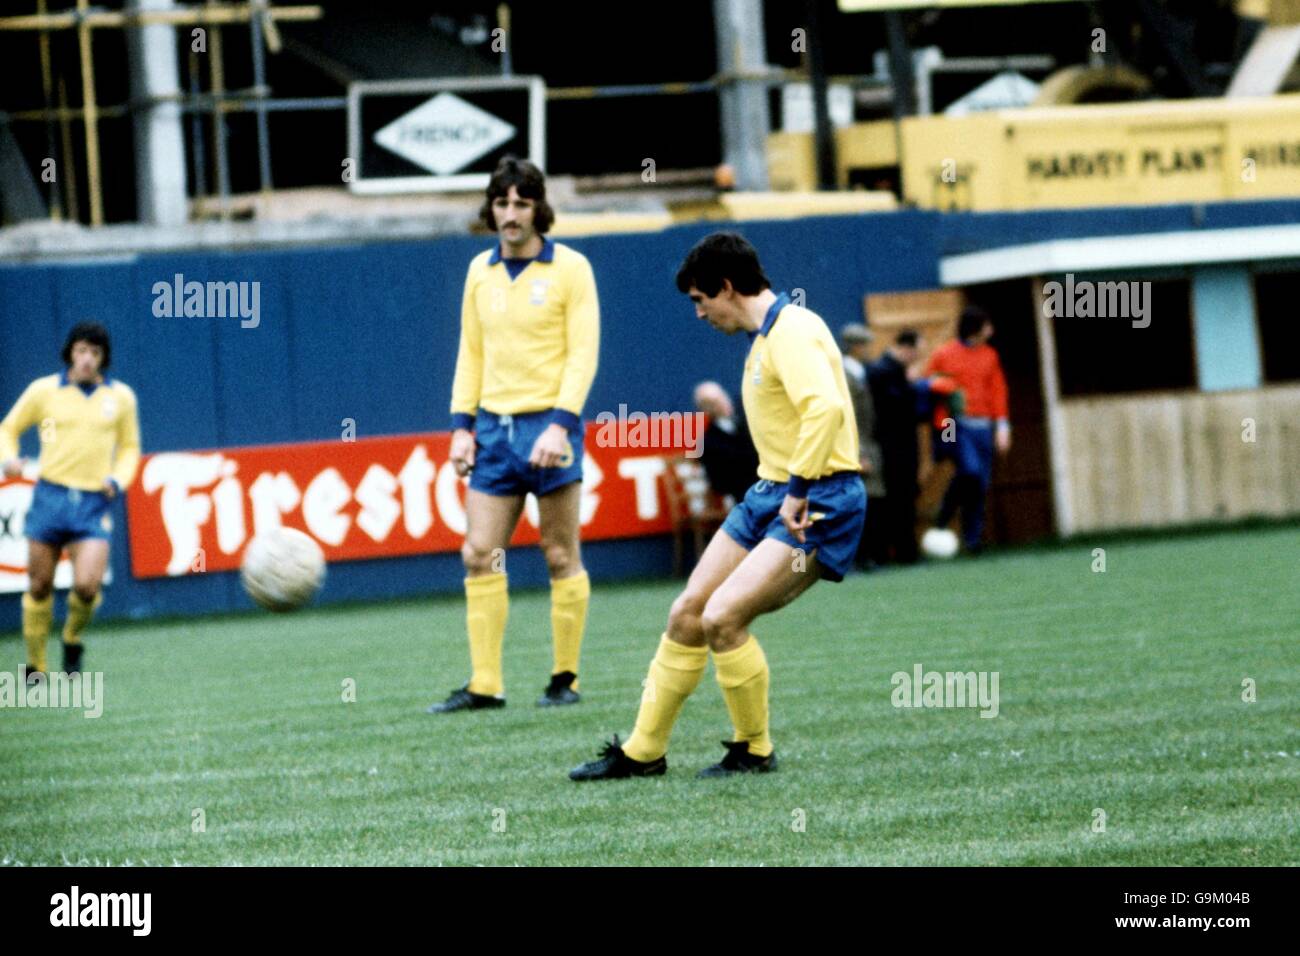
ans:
(810, 383)
(582, 339)
(937, 386)
(25, 413)
(127, 459)
(467, 385)
(997, 387)
(582, 350)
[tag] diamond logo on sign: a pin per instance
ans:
(445, 134)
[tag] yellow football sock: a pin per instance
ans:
(37, 616)
(79, 615)
(569, 597)
(487, 605)
(743, 677)
(674, 674)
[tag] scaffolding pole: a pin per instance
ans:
(47, 99)
(259, 85)
(261, 19)
(159, 137)
(93, 184)
(192, 16)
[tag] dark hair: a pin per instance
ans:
(91, 332)
(906, 339)
(973, 319)
(719, 256)
(531, 184)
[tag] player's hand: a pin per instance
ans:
(462, 451)
(13, 468)
(794, 515)
(551, 448)
(110, 488)
(1002, 440)
(865, 466)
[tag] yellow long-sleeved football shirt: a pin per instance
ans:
(85, 439)
(797, 399)
(529, 344)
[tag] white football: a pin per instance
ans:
(282, 569)
(939, 543)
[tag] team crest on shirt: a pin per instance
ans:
(108, 407)
(537, 291)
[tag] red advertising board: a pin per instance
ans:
(369, 498)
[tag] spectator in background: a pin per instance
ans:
(728, 455)
(898, 408)
(855, 343)
(982, 425)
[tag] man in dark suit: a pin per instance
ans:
(897, 414)
(855, 344)
(728, 454)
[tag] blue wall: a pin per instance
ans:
(369, 332)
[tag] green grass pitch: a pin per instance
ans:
(1119, 691)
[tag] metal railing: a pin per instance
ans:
(261, 18)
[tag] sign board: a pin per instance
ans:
(1111, 154)
(380, 497)
(441, 135)
(1007, 90)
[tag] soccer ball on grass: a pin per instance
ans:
(939, 543)
(282, 569)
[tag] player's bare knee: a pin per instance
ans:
(477, 559)
(40, 588)
(684, 618)
(86, 590)
(562, 559)
(723, 629)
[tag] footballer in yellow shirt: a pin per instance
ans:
(529, 339)
(90, 450)
(800, 522)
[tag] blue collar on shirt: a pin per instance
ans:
(87, 389)
(782, 300)
(546, 255)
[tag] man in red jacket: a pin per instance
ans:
(971, 365)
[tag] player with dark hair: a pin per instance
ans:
(90, 449)
(528, 182)
(529, 339)
(800, 522)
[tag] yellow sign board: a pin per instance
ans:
(1104, 155)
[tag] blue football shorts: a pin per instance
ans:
(837, 503)
(502, 446)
